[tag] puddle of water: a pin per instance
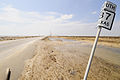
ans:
(116, 50)
(109, 54)
(61, 39)
(85, 44)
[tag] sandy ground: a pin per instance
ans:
(57, 60)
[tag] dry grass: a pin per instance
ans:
(15, 37)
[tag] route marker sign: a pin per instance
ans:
(106, 19)
(107, 15)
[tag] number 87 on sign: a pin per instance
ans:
(107, 15)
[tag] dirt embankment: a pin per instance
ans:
(53, 63)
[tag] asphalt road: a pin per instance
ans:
(13, 53)
(7, 47)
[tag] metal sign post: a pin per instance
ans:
(105, 21)
(92, 53)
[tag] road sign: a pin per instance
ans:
(107, 15)
(109, 6)
(105, 21)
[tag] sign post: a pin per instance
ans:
(106, 19)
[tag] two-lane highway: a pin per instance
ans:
(9, 47)
(13, 53)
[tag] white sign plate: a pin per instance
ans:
(107, 15)
(109, 6)
(106, 19)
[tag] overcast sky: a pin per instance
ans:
(59, 17)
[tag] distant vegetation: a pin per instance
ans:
(15, 37)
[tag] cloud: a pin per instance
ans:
(13, 21)
(17, 22)
(66, 16)
(10, 14)
(94, 12)
(53, 13)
